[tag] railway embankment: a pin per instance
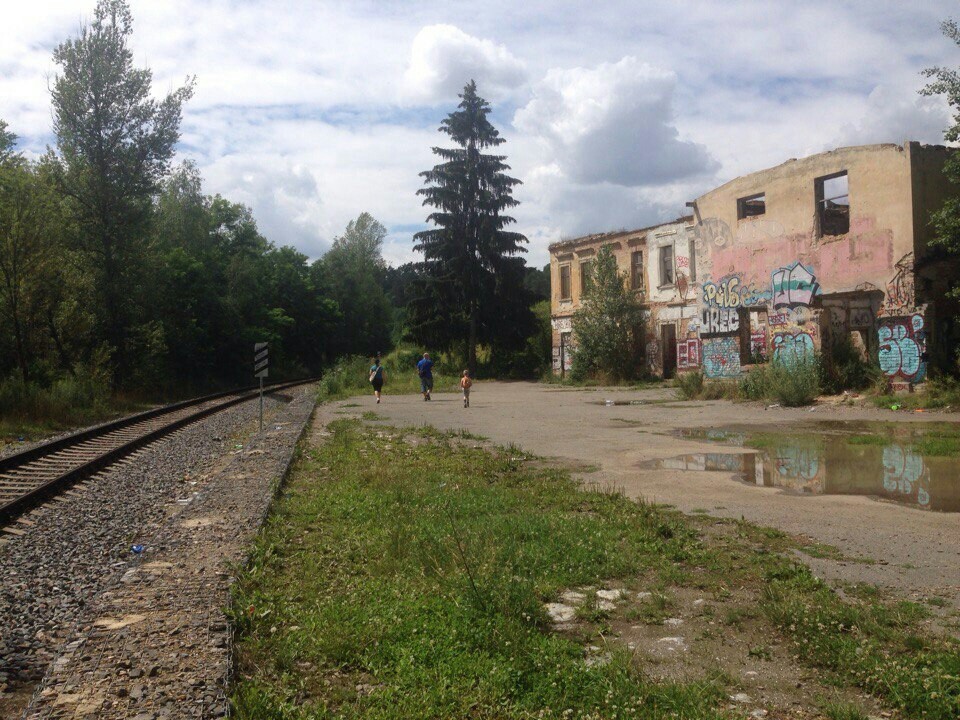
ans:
(92, 628)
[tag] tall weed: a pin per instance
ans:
(791, 384)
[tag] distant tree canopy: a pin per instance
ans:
(118, 273)
(470, 285)
(353, 274)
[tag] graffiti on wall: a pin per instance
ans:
(900, 289)
(789, 348)
(563, 324)
(793, 328)
(721, 357)
(688, 354)
(731, 292)
(719, 321)
(902, 348)
(793, 285)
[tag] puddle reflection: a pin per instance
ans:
(840, 461)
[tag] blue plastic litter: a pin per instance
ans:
(137, 549)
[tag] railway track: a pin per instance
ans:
(34, 476)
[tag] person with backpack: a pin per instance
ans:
(377, 376)
(425, 371)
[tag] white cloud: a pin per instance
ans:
(613, 124)
(892, 115)
(443, 59)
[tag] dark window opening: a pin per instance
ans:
(693, 261)
(751, 206)
(666, 265)
(833, 204)
(564, 282)
(586, 276)
(636, 270)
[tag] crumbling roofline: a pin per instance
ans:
(613, 235)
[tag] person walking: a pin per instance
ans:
(465, 384)
(425, 371)
(377, 376)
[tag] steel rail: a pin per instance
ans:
(49, 487)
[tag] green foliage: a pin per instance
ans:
(470, 285)
(605, 328)
(843, 367)
(939, 392)
(350, 375)
(792, 385)
(352, 273)
(689, 385)
(115, 144)
(694, 386)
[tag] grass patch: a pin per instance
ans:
(939, 393)
(410, 582)
(844, 711)
(419, 574)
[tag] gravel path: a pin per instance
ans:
(69, 557)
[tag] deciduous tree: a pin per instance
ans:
(115, 143)
(604, 327)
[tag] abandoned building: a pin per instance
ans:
(780, 263)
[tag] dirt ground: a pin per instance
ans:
(913, 552)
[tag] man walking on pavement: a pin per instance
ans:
(425, 370)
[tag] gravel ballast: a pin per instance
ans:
(68, 575)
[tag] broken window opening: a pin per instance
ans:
(751, 206)
(693, 260)
(666, 265)
(833, 204)
(636, 270)
(586, 276)
(565, 282)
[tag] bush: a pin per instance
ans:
(66, 401)
(844, 368)
(793, 384)
(689, 385)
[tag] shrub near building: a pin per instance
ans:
(606, 326)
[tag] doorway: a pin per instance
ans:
(668, 343)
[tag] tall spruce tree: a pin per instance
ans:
(471, 288)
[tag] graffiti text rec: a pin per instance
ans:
(902, 348)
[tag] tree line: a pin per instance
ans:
(119, 274)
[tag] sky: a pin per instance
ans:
(614, 113)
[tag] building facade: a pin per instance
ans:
(661, 267)
(782, 262)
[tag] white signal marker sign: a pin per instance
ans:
(261, 361)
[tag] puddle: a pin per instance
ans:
(899, 463)
(613, 403)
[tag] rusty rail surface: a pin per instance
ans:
(34, 476)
